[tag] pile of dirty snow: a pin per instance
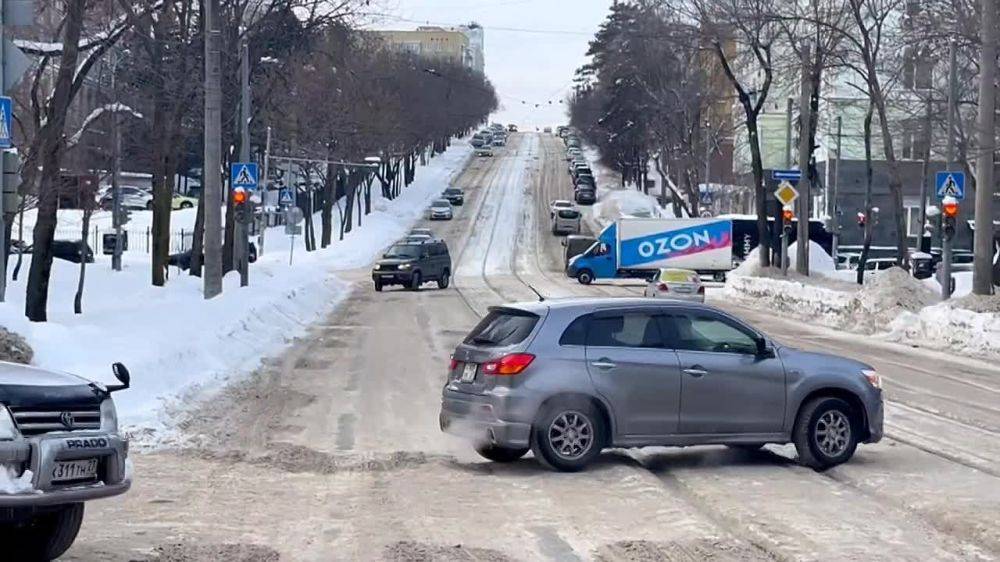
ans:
(11, 484)
(893, 291)
(819, 261)
(14, 348)
(945, 326)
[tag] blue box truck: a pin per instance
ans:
(637, 248)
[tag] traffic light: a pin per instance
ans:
(787, 215)
(862, 218)
(949, 209)
(241, 202)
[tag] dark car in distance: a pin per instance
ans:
(454, 195)
(411, 264)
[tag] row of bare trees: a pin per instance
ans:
(665, 75)
(326, 89)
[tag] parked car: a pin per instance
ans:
(512, 128)
(131, 198)
(414, 238)
(582, 375)
(573, 153)
(425, 231)
(586, 195)
(183, 202)
(584, 178)
(547, 130)
(477, 142)
(499, 141)
(677, 284)
(485, 150)
(182, 260)
(441, 210)
(68, 250)
(414, 264)
(454, 195)
(566, 221)
(557, 205)
(60, 446)
(574, 245)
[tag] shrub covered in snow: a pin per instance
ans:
(14, 348)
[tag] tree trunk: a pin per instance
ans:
(162, 194)
(198, 237)
(229, 238)
(869, 218)
(760, 193)
(50, 148)
(328, 196)
(78, 298)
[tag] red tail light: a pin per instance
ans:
(513, 364)
(663, 287)
(701, 290)
(453, 364)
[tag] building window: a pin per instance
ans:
(913, 222)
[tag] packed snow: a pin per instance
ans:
(891, 304)
(13, 484)
(173, 341)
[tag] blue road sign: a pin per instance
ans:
(6, 116)
(951, 184)
(285, 197)
(790, 175)
(243, 174)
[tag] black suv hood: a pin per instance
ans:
(22, 386)
(395, 261)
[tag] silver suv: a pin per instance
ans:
(568, 378)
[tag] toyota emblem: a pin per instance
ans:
(66, 418)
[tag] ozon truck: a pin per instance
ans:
(637, 248)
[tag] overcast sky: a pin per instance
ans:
(532, 46)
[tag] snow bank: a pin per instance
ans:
(819, 261)
(173, 341)
(945, 326)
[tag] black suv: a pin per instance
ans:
(412, 264)
(454, 195)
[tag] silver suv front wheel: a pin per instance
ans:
(826, 432)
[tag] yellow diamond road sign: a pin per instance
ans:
(786, 193)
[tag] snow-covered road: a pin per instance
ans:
(331, 450)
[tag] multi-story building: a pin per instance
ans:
(477, 46)
(433, 43)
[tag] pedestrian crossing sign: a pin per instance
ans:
(243, 174)
(6, 114)
(951, 184)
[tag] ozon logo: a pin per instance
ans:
(671, 244)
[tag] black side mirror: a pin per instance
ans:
(123, 376)
(762, 349)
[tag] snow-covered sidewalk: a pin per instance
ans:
(173, 341)
(892, 305)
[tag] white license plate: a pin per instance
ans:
(469, 372)
(683, 289)
(74, 470)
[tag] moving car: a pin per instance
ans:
(558, 204)
(566, 221)
(131, 198)
(485, 150)
(677, 284)
(183, 202)
(512, 128)
(413, 264)
(440, 210)
(454, 195)
(574, 245)
(59, 447)
(425, 231)
(571, 377)
(500, 141)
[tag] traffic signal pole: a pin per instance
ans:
(3, 218)
(242, 253)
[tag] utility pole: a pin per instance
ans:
(982, 272)
(242, 253)
(834, 215)
(952, 103)
(211, 180)
(924, 188)
(3, 218)
(805, 122)
(788, 133)
(708, 153)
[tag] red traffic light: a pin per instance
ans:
(949, 207)
(787, 214)
(240, 196)
(861, 218)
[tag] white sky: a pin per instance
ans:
(532, 46)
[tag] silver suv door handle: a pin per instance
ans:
(604, 364)
(697, 373)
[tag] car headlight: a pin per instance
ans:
(109, 416)
(873, 378)
(8, 430)
(377, 267)
(404, 266)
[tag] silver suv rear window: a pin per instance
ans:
(502, 327)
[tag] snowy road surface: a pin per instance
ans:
(332, 451)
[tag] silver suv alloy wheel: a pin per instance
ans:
(571, 435)
(833, 433)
